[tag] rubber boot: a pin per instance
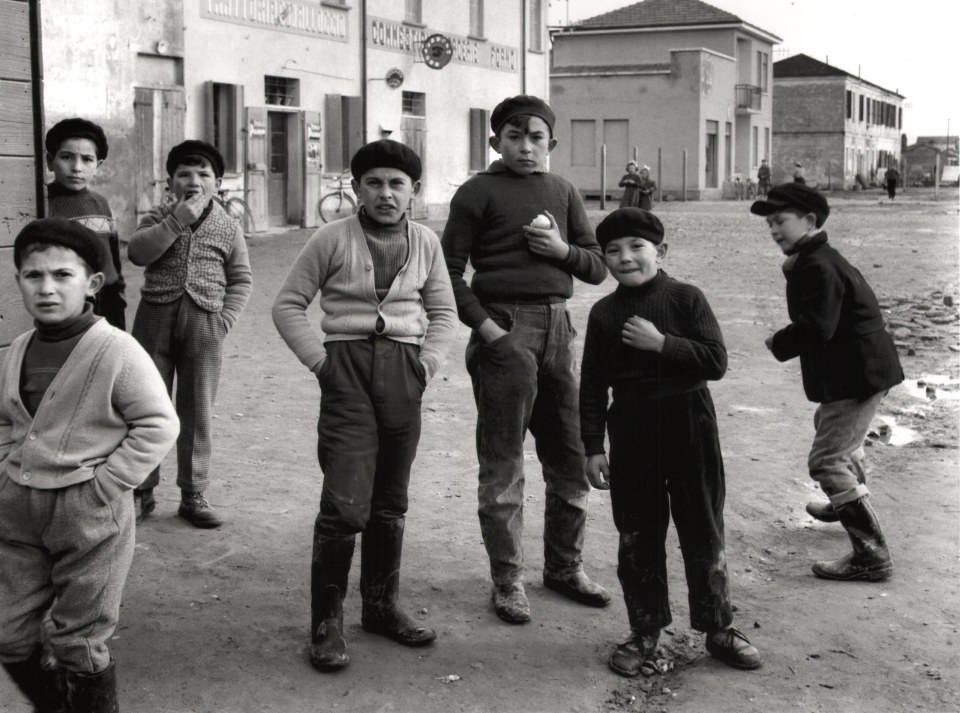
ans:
(870, 560)
(328, 587)
(381, 547)
(40, 685)
(92, 692)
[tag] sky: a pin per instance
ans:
(906, 47)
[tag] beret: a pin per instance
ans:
(76, 129)
(193, 147)
(63, 233)
(523, 104)
(630, 223)
(386, 153)
(798, 196)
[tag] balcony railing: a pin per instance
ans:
(748, 97)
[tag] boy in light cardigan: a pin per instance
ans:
(389, 317)
(84, 417)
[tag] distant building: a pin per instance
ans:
(941, 142)
(837, 125)
(668, 76)
(921, 160)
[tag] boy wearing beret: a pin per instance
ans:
(848, 363)
(388, 317)
(197, 281)
(76, 148)
(655, 343)
(520, 355)
(68, 466)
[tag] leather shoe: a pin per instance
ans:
(628, 658)
(511, 603)
(733, 648)
(195, 509)
(579, 588)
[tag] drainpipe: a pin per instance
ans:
(36, 82)
(363, 69)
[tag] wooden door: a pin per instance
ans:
(277, 158)
(616, 139)
(158, 125)
(413, 129)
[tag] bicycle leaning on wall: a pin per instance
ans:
(338, 203)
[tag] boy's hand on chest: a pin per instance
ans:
(546, 242)
(642, 334)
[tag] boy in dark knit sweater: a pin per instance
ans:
(76, 148)
(655, 343)
(520, 355)
(848, 363)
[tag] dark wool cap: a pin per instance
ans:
(524, 104)
(61, 232)
(199, 149)
(386, 153)
(793, 195)
(76, 129)
(630, 223)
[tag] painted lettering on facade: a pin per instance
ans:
(294, 16)
(397, 37)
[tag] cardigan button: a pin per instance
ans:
(32, 436)
(26, 476)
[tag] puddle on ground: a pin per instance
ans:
(931, 387)
(888, 432)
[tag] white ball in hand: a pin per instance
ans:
(541, 221)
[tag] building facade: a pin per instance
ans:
(843, 129)
(288, 89)
(657, 81)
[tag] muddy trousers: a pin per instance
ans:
(665, 458)
(526, 380)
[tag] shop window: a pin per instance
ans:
(414, 104)
(281, 91)
(479, 132)
(583, 143)
(536, 25)
(224, 122)
(476, 18)
(413, 11)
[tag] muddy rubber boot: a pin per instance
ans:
(92, 692)
(40, 685)
(380, 551)
(328, 587)
(870, 560)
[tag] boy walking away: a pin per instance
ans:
(848, 363)
(76, 148)
(388, 320)
(892, 177)
(84, 416)
(655, 343)
(520, 355)
(763, 178)
(197, 281)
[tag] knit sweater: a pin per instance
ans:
(92, 210)
(106, 416)
(693, 350)
(336, 263)
(207, 260)
(485, 226)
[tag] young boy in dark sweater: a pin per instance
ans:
(520, 355)
(848, 363)
(655, 343)
(76, 148)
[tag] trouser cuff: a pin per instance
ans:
(848, 496)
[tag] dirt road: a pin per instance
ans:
(217, 620)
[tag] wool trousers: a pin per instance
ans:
(836, 456)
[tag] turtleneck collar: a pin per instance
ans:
(56, 190)
(373, 227)
(69, 328)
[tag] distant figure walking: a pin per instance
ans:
(630, 184)
(892, 177)
(798, 173)
(763, 179)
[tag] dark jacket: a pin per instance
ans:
(836, 327)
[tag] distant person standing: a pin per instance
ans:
(630, 184)
(892, 177)
(763, 179)
(646, 188)
(798, 173)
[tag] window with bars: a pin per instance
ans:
(414, 104)
(281, 91)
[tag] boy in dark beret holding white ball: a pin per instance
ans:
(655, 342)
(388, 319)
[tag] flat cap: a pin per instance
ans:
(523, 104)
(63, 233)
(386, 153)
(630, 223)
(194, 148)
(798, 196)
(76, 128)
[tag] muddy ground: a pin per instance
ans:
(217, 620)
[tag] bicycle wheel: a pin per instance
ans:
(335, 206)
(238, 208)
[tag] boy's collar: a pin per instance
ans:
(69, 327)
(498, 167)
(57, 189)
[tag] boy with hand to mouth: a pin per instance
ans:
(655, 343)
(848, 363)
(197, 281)
(84, 416)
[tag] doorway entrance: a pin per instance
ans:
(277, 162)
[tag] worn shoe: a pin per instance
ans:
(733, 648)
(636, 654)
(823, 512)
(195, 509)
(579, 588)
(511, 603)
(143, 504)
